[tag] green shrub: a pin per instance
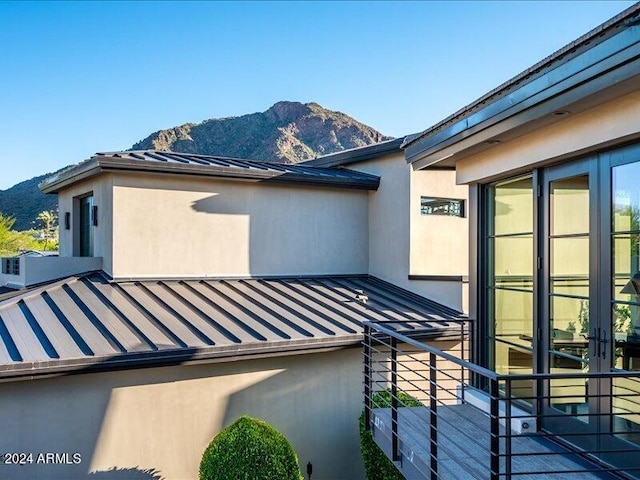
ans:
(249, 449)
(376, 463)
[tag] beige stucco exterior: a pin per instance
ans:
(438, 244)
(169, 226)
(403, 242)
(162, 419)
(599, 127)
(102, 189)
(186, 227)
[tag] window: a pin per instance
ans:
(442, 206)
(87, 221)
(11, 266)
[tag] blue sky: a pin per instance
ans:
(78, 78)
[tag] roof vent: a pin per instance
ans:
(361, 297)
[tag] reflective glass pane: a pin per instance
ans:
(626, 328)
(570, 395)
(513, 207)
(570, 206)
(626, 267)
(513, 261)
(570, 266)
(626, 415)
(513, 316)
(626, 197)
(569, 323)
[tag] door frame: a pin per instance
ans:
(586, 166)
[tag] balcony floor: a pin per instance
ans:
(463, 447)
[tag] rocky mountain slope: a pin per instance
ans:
(288, 132)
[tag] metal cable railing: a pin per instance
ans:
(446, 417)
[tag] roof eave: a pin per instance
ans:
(215, 354)
(88, 168)
(99, 165)
(355, 155)
(608, 63)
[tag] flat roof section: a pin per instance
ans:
(153, 161)
(90, 323)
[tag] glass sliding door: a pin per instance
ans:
(568, 295)
(562, 297)
(567, 324)
(510, 286)
(625, 299)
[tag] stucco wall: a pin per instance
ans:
(161, 419)
(402, 242)
(439, 244)
(190, 227)
(598, 127)
(102, 197)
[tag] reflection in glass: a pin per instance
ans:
(570, 395)
(513, 314)
(569, 324)
(626, 198)
(513, 207)
(570, 266)
(569, 295)
(512, 267)
(626, 267)
(626, 288)
(570, 206)
(626, 415)
(626, 331)
(513, 261)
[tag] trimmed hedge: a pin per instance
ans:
(376, 463)
(249, 449)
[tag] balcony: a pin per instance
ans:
(451, 419)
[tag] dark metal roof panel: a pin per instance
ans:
(359, 154)
(212, 166)
(89, 321)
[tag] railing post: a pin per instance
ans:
(462, 357)
(433, 415)
(494, 411)
(394, 400)
(507, 429)
(367, 377)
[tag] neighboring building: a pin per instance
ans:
(192, 289)
(552, 161)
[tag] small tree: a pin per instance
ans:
(49, 219)
(249, 449)
(11, 242)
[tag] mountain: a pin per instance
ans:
(25, 201)
(288, 132)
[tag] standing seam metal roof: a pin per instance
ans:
(88, 320)
(207, 165)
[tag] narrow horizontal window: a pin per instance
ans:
(442, 206)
